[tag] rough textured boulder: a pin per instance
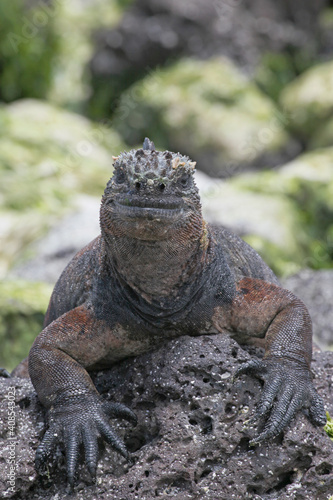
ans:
(189, 442)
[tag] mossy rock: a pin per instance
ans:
(311, 168)
(308, 100)
(22, 309)
(308, 183)
(207, 109)
(47, 155)
(269, 223)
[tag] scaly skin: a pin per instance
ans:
(159, 271)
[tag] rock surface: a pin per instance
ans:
(189, 442)
(316, 290)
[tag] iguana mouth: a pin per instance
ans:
(149, 209)
(159, 204)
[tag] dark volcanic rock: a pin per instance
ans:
(155, 31)
(24, 434)
(189, 442)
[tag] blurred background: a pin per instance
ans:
(245, 88)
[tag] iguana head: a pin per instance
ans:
(151, 195)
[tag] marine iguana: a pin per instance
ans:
(156, 272)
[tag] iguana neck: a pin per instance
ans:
(158, 270)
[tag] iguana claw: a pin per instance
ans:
(82, 422)
(288, 388)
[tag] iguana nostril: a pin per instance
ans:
(138, 185)
(162, 186)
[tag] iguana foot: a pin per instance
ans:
(288, 388)
(82, 421)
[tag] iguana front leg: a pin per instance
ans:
(76, 412)
(261, 310)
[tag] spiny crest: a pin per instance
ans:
(148, 145)
(149, 163)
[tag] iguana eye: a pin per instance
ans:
(119, 176)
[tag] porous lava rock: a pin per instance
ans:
(189, 442)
